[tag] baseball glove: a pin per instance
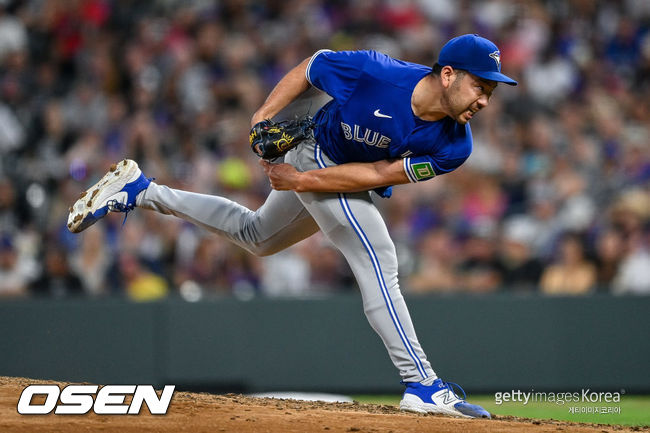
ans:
(271, 139)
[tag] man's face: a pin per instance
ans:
(466, 95)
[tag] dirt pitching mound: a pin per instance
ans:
(192, 412)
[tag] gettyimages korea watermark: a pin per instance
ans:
(81, 399)
(583, 401)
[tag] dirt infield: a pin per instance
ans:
(191, 412)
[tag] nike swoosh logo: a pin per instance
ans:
(378, 114)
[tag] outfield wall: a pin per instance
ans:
(485, 343)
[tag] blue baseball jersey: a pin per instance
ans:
(370, 116)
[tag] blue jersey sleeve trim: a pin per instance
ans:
(408, 171)
(419, 169)
(312, 61)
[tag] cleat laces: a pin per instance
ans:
(450, 388)
(116, 206)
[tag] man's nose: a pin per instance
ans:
(483, 101)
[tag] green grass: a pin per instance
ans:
(634, 409)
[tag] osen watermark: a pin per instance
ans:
(81, 399)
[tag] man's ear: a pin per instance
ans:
(447, 76)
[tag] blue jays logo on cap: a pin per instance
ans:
(476, 55)
(497, 58)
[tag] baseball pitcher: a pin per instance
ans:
(389, 122)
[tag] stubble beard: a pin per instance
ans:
(452, 103)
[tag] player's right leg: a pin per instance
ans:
(279, 223)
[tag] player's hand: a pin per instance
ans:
(283, 177)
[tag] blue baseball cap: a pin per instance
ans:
(476, 55)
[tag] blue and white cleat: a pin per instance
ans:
(115, 192)
(439, 397)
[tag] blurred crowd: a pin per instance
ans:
(554, 199)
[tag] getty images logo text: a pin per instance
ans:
(80, 399)
(559, 398)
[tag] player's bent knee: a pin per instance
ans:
(263, 249)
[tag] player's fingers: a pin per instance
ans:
(265, 165)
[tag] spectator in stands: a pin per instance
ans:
(206, 268)
(480, 269)
(520, 270)
(11, 210)
(57, 280)
(608, 256)
(571, 273)
(436, 268)
(17, 270)
(140, 284)
(632, 214)
(91, 261)
(633, 275)
(328, 271)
